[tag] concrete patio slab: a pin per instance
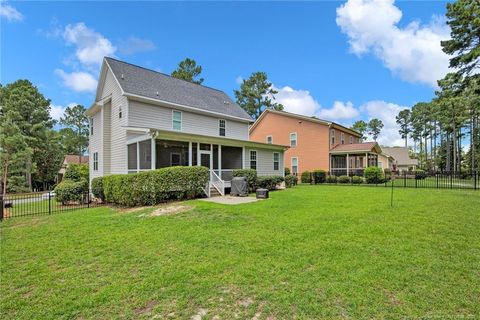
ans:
(231, 200)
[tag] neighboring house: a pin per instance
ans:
(144, 120)
(68, 160)
(402, 162)
(316, 144)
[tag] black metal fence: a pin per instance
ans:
(410, 179)
(41, 203)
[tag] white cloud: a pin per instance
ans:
(134, 45)
(9, 13)
(239, 80)
(91, 46)
(297, 101)
(412, 52)
(339, 111)
(57, 111)
(386, 112)
(78, 81)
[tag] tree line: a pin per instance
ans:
(441, 127)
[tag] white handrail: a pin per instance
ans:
(217, 183)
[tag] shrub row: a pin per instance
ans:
(254, 181)
(151, 187)
(290, 180)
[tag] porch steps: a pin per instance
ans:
(214, 192)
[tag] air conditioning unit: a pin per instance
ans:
(262, 193)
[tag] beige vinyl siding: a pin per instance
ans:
(95, 145)
(107, 147)
(159, 117)
(264, 162)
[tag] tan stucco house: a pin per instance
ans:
(143, 119)
(317, 144)
(402, 160)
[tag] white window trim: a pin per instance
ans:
(278, 161)
(250, 159)
(173, 120)
(342, 138)
(296, 139)
(137, 142)
(332, 135)
(95, 161)
(351, 139)
(271, 140)
(120, 112)
(291, 164)
(225, 127)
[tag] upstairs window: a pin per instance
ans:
(332, 136)
(120, 112)
(221, 125)
(95, 161)
(91, 126)
(276, 161)
(293, 139)
(351, 139)
(269, 139)
(253, 159)
(176, 120)
(342, 138)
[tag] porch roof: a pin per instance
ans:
(182, 136)
(357, 148)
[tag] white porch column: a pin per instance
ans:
(154, 154)
(190, 155)
(243, 157)
(220, 161)
(365, 164)
(348, 164)
(211, 156)
(198, 153)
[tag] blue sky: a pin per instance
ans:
(342, 61)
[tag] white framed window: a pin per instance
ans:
(139, 156)
(253, 159)
(276, 161)
(222, 127)
(91, 126)
(175, 158)
(269, 139)
(342, 138)
(120, 112)
(176, 120)
(294, 165)
(332, 136)
(95, 161)
(351, 139)
(293, 139)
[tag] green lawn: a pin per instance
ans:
(308, 252)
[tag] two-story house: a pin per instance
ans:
(144, 120)
(316, 144)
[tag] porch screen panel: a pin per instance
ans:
(132, 157)
(145, 154)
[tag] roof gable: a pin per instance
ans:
(151, 84)
(357, 147)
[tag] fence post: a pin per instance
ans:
(88, 199)
(404, 179)
(1, 206)
(49, 203)
(474, 178)
(416, 179)
(436, 178)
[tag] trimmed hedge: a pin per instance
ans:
(344, 179)
(331, 179)
(250, 174)
(306, 177)
(290, 181)
(357, 180)
(71, 191)
(269, 182)
(97, 188)
(155, 186)
(319, 176)
(374, 175)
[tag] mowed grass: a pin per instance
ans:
(308, 252)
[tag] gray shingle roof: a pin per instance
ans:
(400, 154)
(144, 82)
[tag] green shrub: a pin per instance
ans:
(287, 171)
(250, 174)
(269, 182)
(357, 180)
(420, 174)
(344, 179)
(374, 175)
(76, 172)
(155, 186)
(290, 180)
(71, 191)
(306, 177)
(319, 176)
(331, 179)
(97, 188)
